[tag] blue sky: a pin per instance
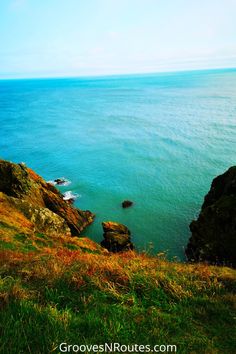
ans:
(44, 38)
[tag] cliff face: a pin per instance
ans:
(214, 232)
(28, 201)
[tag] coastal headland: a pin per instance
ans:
(58, 287)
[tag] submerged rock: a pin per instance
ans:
(40, 202)
(214, 232)
(61, 182)
(127, 204)
(116, 237)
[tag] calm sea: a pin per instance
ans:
(157, 140)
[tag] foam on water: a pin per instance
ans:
(69, 195)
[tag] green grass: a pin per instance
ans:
(20, 237)
(70, 246)
(64, 294)
(40, 235)
(7, 245)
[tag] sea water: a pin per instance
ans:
(156, 139)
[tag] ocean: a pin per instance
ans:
(155, 139)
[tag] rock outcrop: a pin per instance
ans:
(214, 232)
(24, 192)
(127, 204)
(116, 237)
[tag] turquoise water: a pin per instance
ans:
(157, 140)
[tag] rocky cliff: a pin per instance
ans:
(28, 202)
(214, 232)
(29, 205)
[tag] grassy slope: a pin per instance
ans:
(55, 290)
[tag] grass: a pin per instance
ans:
(55, 290)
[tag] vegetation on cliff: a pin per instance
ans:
(56, 288)
(38, 205)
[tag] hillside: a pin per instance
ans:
(57, 288)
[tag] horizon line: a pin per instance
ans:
(114, 75)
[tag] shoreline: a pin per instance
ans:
(47, 210)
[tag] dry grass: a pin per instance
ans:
(71, 289)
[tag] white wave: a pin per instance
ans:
(53, 183)
(70, 195)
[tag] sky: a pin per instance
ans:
(54, 38)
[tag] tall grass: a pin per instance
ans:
(82, 295)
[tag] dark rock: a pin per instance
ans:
(127, 204)
(70, 201)
(60, 181)
(214, 232)
(40, 202)
(14, 179)
(116, 237)
(110, 226)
